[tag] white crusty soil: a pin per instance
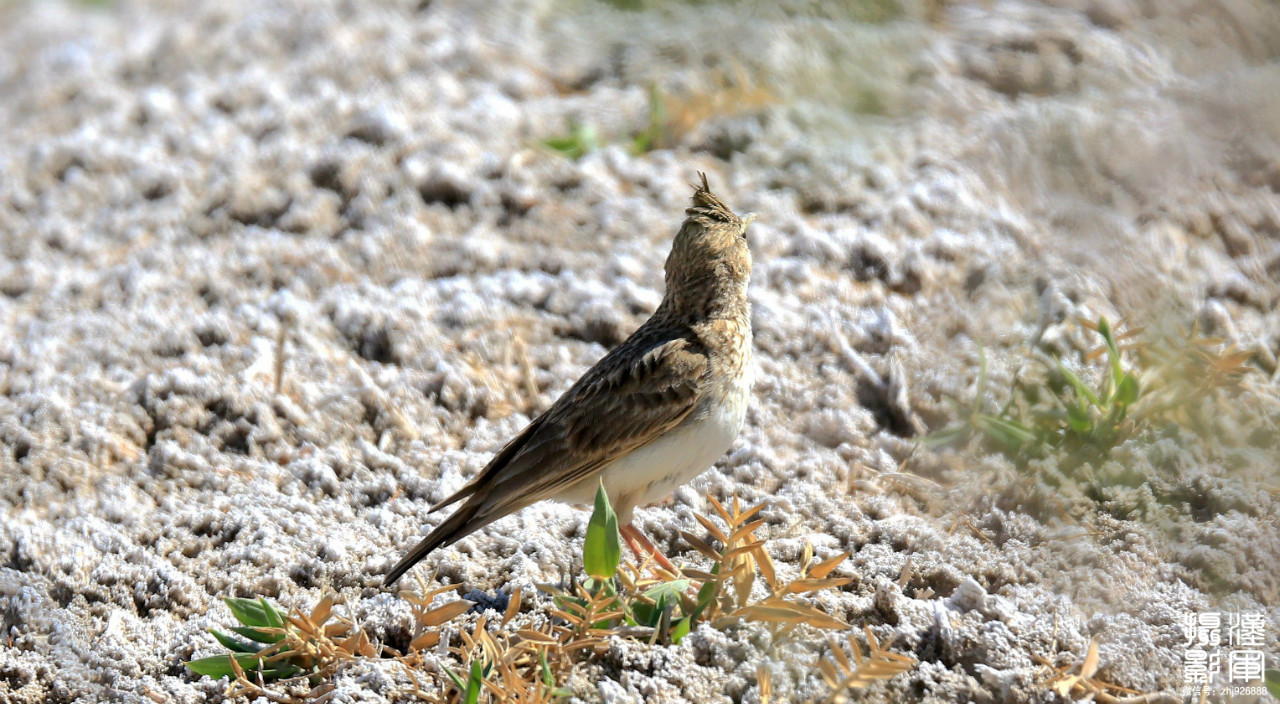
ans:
(179, 182)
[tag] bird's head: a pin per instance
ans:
(710, 262)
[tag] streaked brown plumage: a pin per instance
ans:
(653, 413)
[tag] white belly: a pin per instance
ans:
(655, 470)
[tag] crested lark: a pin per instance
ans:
(654, 413)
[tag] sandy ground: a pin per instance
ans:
(179, 184)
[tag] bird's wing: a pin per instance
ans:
(639, 391)
(634, 395)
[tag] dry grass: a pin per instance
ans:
(1187, 370)
(1083, 681)
(673, 117)
(428, 619)
(725, 591)
(843, 672)
(506, 662)
(501, 666)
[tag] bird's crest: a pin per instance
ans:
(709, 205)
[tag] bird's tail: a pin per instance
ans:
(454, 528)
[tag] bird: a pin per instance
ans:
(655, 412)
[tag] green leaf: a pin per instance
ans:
(668, 590)
(1113, 351)
(660, 608)
(664, 597)
(457, 681)
(1078, 420)
(581, 140)
(254, 612)
(1009, 433)
(1082, 390)
(1128, 390)
(707, 593)
(644, 614)
(602, 550)
(706, 596)
(219, 666)
(1272, 680)
(471, 688)
(548, 677)
(275, 618)
(652, 136)
(681, 629)
(475, 683)
(559, 144)
(233, 644)
(947, 435)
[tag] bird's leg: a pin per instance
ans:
(642, 548)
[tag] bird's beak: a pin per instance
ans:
(748, 220)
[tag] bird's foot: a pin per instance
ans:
(642, 548)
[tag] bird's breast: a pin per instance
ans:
(653, 471)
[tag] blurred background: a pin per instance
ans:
(276, 276)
